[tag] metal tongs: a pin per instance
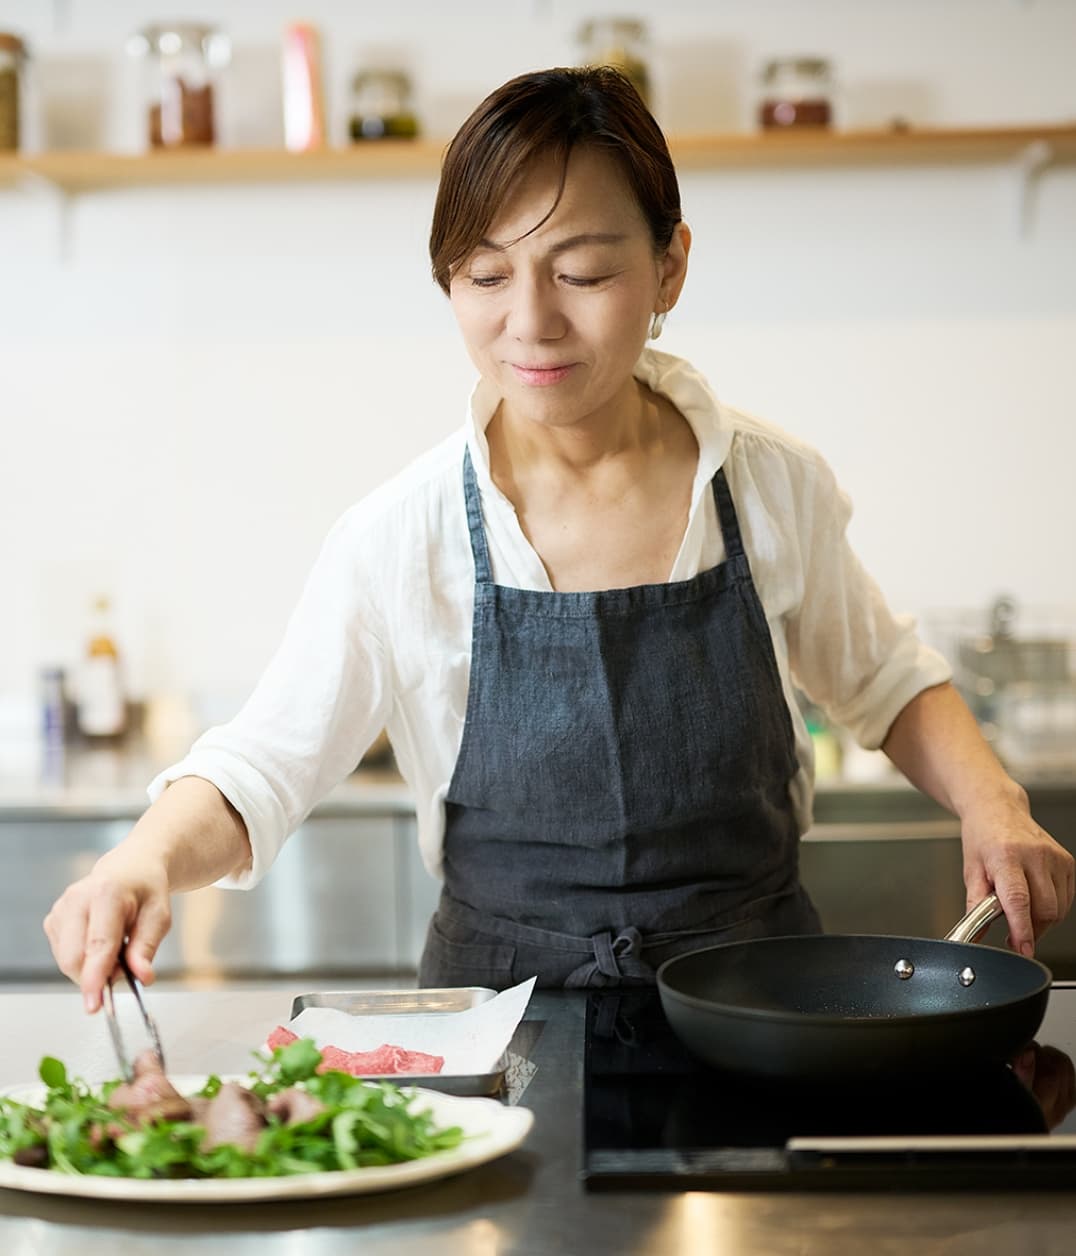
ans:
(113, 1024)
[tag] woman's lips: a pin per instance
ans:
(540, 375)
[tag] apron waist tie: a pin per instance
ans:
(614, 958)
(610, 958)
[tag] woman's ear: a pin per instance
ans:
(674, 266)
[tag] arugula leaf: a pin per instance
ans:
(52, 1073)
(298, 1061)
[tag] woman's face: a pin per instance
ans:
(556, 317)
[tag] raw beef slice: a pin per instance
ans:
(383, 1060)
(281, 1037)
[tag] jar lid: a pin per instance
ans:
(811, 67)
(10, 42)
(168, 38)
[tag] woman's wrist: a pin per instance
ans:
(990, 793)
(135, 865)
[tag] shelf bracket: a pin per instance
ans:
(1031, 162)
(39, 185)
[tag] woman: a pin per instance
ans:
(579, 618)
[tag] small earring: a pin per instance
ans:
(657, 323)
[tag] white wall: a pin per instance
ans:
(198, 383)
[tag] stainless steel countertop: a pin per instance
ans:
(528, 1203)
(109, 783)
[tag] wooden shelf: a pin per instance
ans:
(83, 171)
(894, 147)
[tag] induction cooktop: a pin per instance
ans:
(654, 1116)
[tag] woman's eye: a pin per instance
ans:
(574, 281)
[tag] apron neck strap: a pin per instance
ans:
(726, 513)
(482, 571)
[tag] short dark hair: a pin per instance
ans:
(548, 113)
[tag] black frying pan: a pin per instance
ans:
(844, 1004)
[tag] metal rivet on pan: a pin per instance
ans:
(966, 976)
(904, 968)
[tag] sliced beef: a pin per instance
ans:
(294, 1106)
(150, 1096)
(199, 1109)
(235, 1115)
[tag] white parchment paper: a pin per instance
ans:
(471, 1041)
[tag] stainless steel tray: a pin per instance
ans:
(422, 1002)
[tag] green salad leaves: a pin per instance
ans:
(358, 1124)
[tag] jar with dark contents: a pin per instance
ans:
(381, 106)
(620, 42)
(12, 59)
(182, 63)
(797, 92)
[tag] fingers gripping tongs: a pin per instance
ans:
(126, 1067)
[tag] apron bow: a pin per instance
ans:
(614, 959)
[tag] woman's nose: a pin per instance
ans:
(534, 313)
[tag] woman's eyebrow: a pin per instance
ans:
(562, 246)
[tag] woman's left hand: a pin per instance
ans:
(1008, 854)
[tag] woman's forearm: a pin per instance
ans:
(194, 830)
(937, 744)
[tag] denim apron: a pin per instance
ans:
(621, 793)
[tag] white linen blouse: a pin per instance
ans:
(381, 635)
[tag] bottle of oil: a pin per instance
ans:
(101, 706)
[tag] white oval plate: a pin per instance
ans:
(490, 1130)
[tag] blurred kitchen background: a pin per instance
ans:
(202, 366)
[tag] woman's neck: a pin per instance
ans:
(627, 428)
(601, 459)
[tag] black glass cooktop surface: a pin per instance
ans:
(655, 1116)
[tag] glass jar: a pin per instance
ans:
(183, 61)
(381, 106)
(12, 60)
(796, 92)
(622, 43)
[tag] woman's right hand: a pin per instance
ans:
(120, 899)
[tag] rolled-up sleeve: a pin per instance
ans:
(316, 709)
(847, 650)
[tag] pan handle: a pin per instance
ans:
(976, 920)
